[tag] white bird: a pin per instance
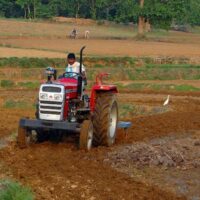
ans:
(166, 101)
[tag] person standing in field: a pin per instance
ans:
(74, 33)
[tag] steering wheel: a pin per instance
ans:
(70, 75)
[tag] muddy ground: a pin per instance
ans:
(61, 171)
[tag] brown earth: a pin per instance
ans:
(77, 21)
(14, 52)
(50, 39)
(95, 47)
(60, 171)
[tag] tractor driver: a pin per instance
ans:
(74, 66)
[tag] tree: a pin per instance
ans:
(162, 12)
(194, 12)
(29, 7)
(25, 6)
(8, 8)
(159, 13)
(141, 19)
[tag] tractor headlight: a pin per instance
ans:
(43, 96)
(58, 97)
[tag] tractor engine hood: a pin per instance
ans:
(70, 85)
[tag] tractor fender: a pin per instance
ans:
(100, 89)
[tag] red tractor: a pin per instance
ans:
(63, 106)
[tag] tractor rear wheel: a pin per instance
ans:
(105, 119)
(24, 137)
(86, 135)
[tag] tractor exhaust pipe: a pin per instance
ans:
(80, 78)
(81, 58)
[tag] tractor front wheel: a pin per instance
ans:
(24, 137)
(86, 135)
(105, 119)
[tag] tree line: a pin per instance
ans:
(161, 13)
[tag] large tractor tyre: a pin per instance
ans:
(105, 119)
(86, 135)
(24, 137)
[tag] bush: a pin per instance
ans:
(10, 190)
(7, 83)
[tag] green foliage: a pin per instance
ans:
(194, 12)
(44, 12)
(7, 83)
(10, 190)
(161, 13)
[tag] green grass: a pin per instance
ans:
(172, 66)
(158, 33)
(10, 190)
(29, 85)
(10, 104)
(186, 88)
(6, 83)
(14, 62)
(24, 85)
(30, 62)
(126, 110)
(120, 68)
(121, 62)
(159, 87)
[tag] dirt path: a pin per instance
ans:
(15, 52)
(97, 47)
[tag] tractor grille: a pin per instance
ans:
(50, 112)
(51, 108)
(51, 102)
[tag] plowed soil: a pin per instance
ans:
(61, 171)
